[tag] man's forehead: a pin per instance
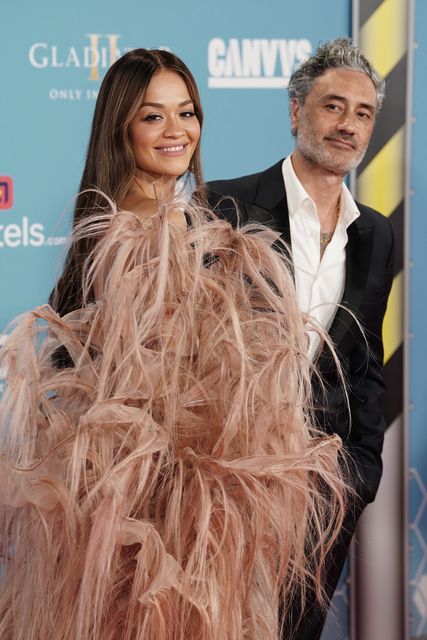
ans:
(344, 82)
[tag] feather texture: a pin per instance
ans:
(168, 483)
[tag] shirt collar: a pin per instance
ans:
(296, 195)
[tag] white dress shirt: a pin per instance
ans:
(319, 282)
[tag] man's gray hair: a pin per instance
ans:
(336, 54)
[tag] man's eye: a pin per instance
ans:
(332, 107)
(364, 115)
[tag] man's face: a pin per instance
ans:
(335, 123)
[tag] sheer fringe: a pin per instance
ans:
(168, 483)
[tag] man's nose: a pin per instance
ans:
(347, 124)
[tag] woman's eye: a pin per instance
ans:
(152, 117)
(187, 114)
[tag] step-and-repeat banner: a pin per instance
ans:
(54, 56)
(418, 337)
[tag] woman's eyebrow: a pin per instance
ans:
(159, 105)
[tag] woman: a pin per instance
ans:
(112, 161)
(166, 481)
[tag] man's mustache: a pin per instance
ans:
(343, 137)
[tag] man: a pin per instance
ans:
(342, 254)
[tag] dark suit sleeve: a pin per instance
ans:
(226, 205)
(366, 387)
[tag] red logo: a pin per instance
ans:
(6, 192)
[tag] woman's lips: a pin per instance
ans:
(172, 150)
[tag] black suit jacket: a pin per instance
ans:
(369, 272)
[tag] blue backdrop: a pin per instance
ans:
(418, 342)
(54, 56)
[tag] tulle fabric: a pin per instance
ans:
(160, 474)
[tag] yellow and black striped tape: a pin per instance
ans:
(381, 175)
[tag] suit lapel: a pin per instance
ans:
(357, 265)
(271, 197)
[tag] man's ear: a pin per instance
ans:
(294, 113)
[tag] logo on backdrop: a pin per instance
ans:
(24, 233)
(99, 53)
(96, 56)
(254, 63)
(6, 192)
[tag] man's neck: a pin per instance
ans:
(323, 186)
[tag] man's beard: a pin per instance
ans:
(319, 153)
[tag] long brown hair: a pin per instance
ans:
(110, 163)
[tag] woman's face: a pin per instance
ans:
(165, 131)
